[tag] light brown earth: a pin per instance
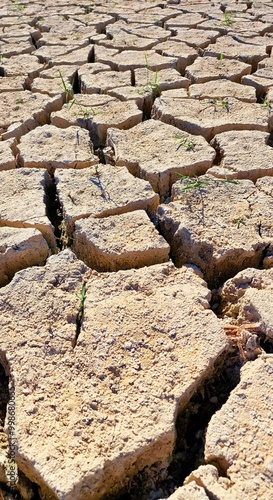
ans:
(136, 136)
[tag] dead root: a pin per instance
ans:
(246, 338)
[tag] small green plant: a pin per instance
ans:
(184, 142)
(17, 6)
(266, 104)
(153, 86)
(19, 101)
(81, 296)
(227, 20)
(225, 104)
(238, 221)
(63, 238)
(221, 57)
(69, 93)
(195, 182)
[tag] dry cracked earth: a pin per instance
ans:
(136, 250)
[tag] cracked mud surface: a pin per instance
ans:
(136, 250)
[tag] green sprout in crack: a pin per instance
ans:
(192, 182)
(238, 221)
(184, 142)
(221, 57)
(225, 104)
(195, 182)
(266, 104)
(227, 21)
(81, 296)
(19, 101)
(17, 6)
(69, 93)
(153, 86)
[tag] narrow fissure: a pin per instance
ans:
(54, 211)
(79, 318)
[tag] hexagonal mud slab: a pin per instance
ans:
(158, 152)
(52, 147)
(97, 113)
(220, 226)
(20, 248)
(101, 191)
(117, 242)
(211, 117)
(245, 154)
(106, 409)
(22, 194)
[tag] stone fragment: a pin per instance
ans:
(189, 20)
(148, 31)
(101, 191)
(51, 87)
(239, 435)
(246, 296)
(160, 80)
(20, 248)
(106, 416)
(97, 113)
(231, 48)
(104, 55)
(211, 117)
(100, 83)
(207, 478)
(185, 54)
(195, 37)
(14, 47)
(74, 40)
(23, 111)
(78, 57)
(158, 152)
(220, 89)
(117, 242)
(22, 201)
(220, 241)
(52, 147)
(245, 154)
(121, 40)
(26, 65)
(190, 492)
(261, 80)
(7, 158)
(205, 69)
(131, 59)
(47, 53)
(67, 71)
(8, 84)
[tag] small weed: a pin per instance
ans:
(221, 57)
(63, 238)
(17, 6)
(69, 93)
(225, 105)
(195, 182)
(19, 101)
(184, 142)
(81, 296)
(152, 87)
(266, 104)
(238, 221)
(227, 20)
